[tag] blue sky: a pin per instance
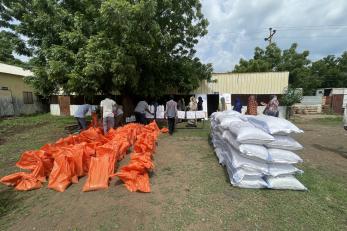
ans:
(238, 26)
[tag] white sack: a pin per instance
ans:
(274, 125)
(283, 156)
(284, 142)
(252, 151)
(229, 121)
(220, 155)
(285, 182)
(239, 161)
(246, 133)
(247, 182)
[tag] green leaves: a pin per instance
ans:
(91, 47)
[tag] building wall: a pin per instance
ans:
(15, 105)
(245, 83)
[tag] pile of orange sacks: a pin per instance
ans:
(93, 154)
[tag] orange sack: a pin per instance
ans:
(164, 130)
(98, 176)
(22, 181)
(61, 175)
(93, 154)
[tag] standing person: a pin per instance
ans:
(183, 105)
(252, 106)
(271, 108)
(155, 105)
(200, 101)
(140, 110)
(106, 107)
(193, 106)
(222, 106)
(171, 113)
(345, 119)
(180, 105)
(80, 115)
(119, 116)
(237, 105)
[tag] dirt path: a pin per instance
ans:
(190, 191)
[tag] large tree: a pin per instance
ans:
(331, 71)
(96, 46)
(10, 43)
(274, 59)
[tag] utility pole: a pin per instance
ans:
(272, 32)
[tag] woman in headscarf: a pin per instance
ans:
(237, 105)
(200, 101)
(193, 106)
(222, 106)
(272, 107)
(252, 106)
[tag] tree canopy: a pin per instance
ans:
(274, 59)
(143, 47)
(327, 72)
(10, 44)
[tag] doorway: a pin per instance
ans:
(212, 103)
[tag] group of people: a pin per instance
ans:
(111, 114)
(271, 108)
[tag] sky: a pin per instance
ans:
(236, 27)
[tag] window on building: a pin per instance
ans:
(28, 97)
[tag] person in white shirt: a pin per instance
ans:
(80, 115)
(107, 105)
(171, 113)
(140, 111)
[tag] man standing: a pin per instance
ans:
(140, 111)
(171, 113)
(80, 115)
(107, 106)
(118, 114)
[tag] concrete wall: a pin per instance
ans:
(14, 105)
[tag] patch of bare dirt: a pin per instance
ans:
(324, 146)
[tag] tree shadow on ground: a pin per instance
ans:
(9, 201)
(340, 151)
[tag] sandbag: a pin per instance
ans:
(274, 125)
(246, 133)
(229, 121)
(28, 182)
(284, 142)
(220, 155)
(283, 156)
(247, 182)
(284, 182)
(239, 161)
(61, 175)
(251, 151)
(98, 176)
(164, 130)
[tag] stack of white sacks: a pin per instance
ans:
(257, 150)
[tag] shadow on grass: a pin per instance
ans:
(338, 151)
(9, 201)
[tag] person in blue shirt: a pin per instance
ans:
(237, 105)
(80, 115)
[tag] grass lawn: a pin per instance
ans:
(190, 191)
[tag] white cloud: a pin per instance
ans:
(238, 26)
